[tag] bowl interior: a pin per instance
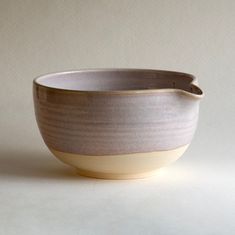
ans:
(118, 80)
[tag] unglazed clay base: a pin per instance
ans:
(123, 166)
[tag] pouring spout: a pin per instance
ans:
(194, 91)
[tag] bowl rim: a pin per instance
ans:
(120, 92)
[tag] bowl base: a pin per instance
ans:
(113, 176)
(123, 166)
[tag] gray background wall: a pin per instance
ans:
(196, 194)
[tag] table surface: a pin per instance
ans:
(40, 195)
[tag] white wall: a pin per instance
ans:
(38, 37)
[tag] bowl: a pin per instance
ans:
(117, 123)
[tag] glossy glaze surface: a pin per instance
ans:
(111, 122)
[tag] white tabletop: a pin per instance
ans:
(40, 195)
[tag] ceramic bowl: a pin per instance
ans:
(117, 123)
